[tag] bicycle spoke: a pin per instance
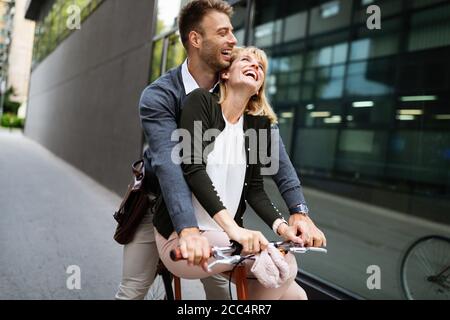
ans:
(445, 254)
(423, 260)
(157, 290)
(424, 269)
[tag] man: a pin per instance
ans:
(207, 35)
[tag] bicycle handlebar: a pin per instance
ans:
(235, 249)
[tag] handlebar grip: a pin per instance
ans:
(176, 255)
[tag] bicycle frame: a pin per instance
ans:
(240, 272)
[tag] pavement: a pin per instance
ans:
(53, 216)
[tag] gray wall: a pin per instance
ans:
(83, 100)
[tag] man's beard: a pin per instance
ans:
(210, 55)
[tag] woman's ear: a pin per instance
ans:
(225, 75)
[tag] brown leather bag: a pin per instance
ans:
(134, 206)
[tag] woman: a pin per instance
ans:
(222, 176)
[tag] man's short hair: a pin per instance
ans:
(191, 16)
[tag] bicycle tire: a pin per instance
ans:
(157, 290)
(161, 288)
(419, 266)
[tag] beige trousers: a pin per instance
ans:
(140, 259)
(290, 290)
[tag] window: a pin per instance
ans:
(175, 53)
(329, 9)
(295, 26)
(366, 114)
(268, 34)
(238, 21)
(156, 60)
(388, 9)
(330, 16)
(167, 15)
(51, 31)
(362, 151)
(430, 29)
(370, 78)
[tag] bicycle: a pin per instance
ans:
(236, 259)
(425, 269)
(161, 288)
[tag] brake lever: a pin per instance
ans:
(305, 249)
(224, 260)
(297, 247)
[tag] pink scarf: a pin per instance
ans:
(270, 268)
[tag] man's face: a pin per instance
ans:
(218, 40)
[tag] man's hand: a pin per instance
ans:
(194, 247)
(307, 230)
(289, 233)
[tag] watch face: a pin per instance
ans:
(301, 208)
(304, 209)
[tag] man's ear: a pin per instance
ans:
(195, 39)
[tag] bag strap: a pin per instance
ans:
(138, 169)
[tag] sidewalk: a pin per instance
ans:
(54, 216)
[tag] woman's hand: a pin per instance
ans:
(194, 247)
(252, 241)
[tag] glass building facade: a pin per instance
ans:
(365, 116)
(53, 29)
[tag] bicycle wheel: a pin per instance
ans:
(161, 288)
(157, 291)
(425, 269)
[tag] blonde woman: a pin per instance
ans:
(222, 177)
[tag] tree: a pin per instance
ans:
(8, 105)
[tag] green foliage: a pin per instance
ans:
(52, 30)
(8, 105)
(175, 54)
(10, 120)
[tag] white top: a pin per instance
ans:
(226, 167)
(189, 82)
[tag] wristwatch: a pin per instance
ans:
(300, 208)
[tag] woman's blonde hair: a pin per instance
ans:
(258, 105)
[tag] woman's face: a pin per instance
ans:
(246, 70)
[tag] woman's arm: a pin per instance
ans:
(199, 107)
(196, 118)
(256, 195)
(251, 241)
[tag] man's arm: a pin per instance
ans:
(158, 119)
(286, 178)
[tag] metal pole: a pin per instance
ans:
(9, 3)
(2, 99)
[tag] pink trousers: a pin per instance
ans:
(290, 290)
